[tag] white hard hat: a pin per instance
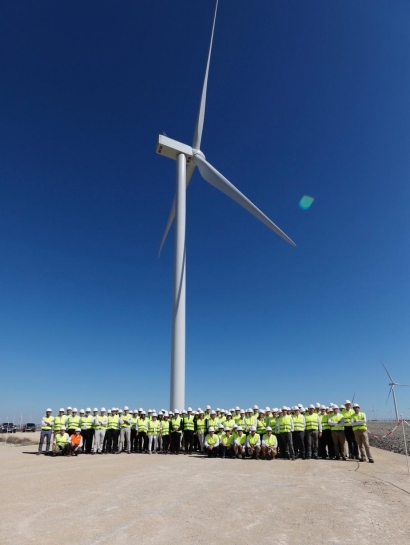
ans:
(342, 407)
(120, 411)
(49, 410)
(311, 406)
(201, 411)
(239, 428)
(317, 405)
(69, 409)
(295, 408)
(154, 414)
(189, 409)
(208, 406)
(82, 411)
(284, 408)
(176, 411)
(88, 410)
(63, 428)
(170, 413)
(95, 409)
(143, 412)
(220, 425)
(184, 411)
(140, 410)
(356, 405)
(126, 408)
(261, 411)
(227, 429)
(331, 404)
(223, 411)
(255, 407)
(237, 408)
(267, 409)
(211, 428)
(61, 411)
(213, 412)
(150, 411)
(268, 428)
(75, 410)
(253, 428)
(323, 407)
(165, 413)
(113, 409)
(134, 411)
(242, 411)
(235, 425)
(275, 410)
(103, 409)
(77, 429)
(300, 405)
(347, 401)
(218, 409)
(228, 413)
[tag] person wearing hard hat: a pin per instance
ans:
(250, 420)
(348, 412)
(241, 420)
(359, 424)
(73, 422)
(165, 432)
(76, 442)
(298, 434)
(153, 432)
(176, 430)
(336, 422)
(61, 444)
(240, 443)
(188, 428)
(326, 447)
(226, 444)
(312, 432)
(207, 412)
(269, 447)
(125, 430)
(261, 423)
(229, 421)
(212, 420)
(200, 429)
(237, 415)
(86, 430)
(47, 424)
(142, 433)
(134, 431)
(256, 411)
(253, 443)
(113, 430)
(211, 444)
(284, 425)
(100, 428)
(94, 427)
(59, 422)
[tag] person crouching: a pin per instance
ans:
(211, 443)
(76, 442)
(269, 446)
(61, 442)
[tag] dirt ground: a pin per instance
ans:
(136, 498)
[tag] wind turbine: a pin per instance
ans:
(187, 158)
(392, 384)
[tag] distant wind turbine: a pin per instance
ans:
(392, 384)
(187, 158)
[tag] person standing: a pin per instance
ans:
(253, 443)
(250, 420)
(142, 433)
(112, 433)
(87, 430)
(165, 433)
(176, 425)
(211, 444)
(59, 422)
(100, 428)
(261, 423)
(153, 432)
(134, 432)
(298, 434)
(269, 445)
(125, 430)
(94, 427)
(200, 429)
(284, 425)
(240, 443)
(359, 424)
(326, 447)
(213, 421)
(348, 412)
(336, 422)
(188, 425)
(47, 423)
(73, 422)
(313, 431)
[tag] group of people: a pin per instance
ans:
(329, 432)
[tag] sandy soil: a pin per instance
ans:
(123, 499)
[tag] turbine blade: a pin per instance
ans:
(389, 375)
(189, 171)
(391, 388)
(215, 178)
(398, 384)
(201, 113)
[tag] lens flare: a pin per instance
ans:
(306, 202)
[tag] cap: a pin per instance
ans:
(253, 428)
(268, 428)
(211, 428)
(61, 411)
(77, 429)
(126, 408)
(239, 428)
(49, 410)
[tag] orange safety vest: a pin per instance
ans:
(76, 439)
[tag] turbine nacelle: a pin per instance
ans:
(172, 148)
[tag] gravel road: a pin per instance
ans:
(394, 442)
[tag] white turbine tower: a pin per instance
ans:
(187, 158)
(392, 384)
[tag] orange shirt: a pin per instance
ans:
(76, 439)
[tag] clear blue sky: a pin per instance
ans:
(304, 98)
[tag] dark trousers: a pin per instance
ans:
(62, 450)
(71, 432)
(175, 441)
(133, 440)
(326, 447)
(107, 444)
(351, 441)
(281, 451)
(226, 451)
(312, 437)
(142, 441)
(211, 453)
(298, 438)
(189, 441)
(165, 443)
(88, 436)
(288, 445)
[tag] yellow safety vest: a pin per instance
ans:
(134, 423)
(59, 422)
(270, 440)
(127, 417)
(213, 422)
(62, 440)
(325, 425)
(358, 416)
(227, 441)
(175, 422)
(211, 439)
(348, 414)
(201, 425)
(229, 423)
(249, 421)
(312, 422)
(143, 424)
(102, 423)
(337, 418)
(113, 422)
(189, 424)
(165, 427)
(73, 422)
(253, 439)
(49, 421)
(260, 426)
(153, 427)
(284, 424)
(86, 422)
(241, 439)
(298, 423)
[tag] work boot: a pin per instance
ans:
(371, 461)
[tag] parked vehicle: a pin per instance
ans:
(29, 427)
(8, 427)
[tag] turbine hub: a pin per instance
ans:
(197, 152)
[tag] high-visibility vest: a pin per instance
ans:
(229, 423)
(134, 422)
(201, 425)
(358, 416)
(221, 419)
(272, 422)
(348, 415)
(227, 441)
(189, 423)
(128, 418)
(102, 423)
(165, 427)
(59, 422)
(142, 424)
(62, 440)
(241, 422)
(260, 426)
(241, 439)
(213, 422)
(175, 423)
(298, 423)
(49, 422)
(95, 425)
(76, 439)
(73, 422)
(211, 439)
(236, 417)
(113, 422)
(270, 440)
(285, 423)
(253, 439)
(86, 422)
(206, 416)
(250, 421)
(153, 427)
(325, 425)
(336, 418)
(312, 422)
